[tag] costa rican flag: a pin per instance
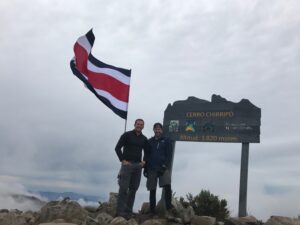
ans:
(110, 84)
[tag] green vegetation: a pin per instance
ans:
(207, 204)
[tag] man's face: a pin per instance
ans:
(157, 131)
(138, 126)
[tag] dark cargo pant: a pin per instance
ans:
(129, 182)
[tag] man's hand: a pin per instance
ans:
(161, 170)
(142, 163)
(145, 172)
(125, 162)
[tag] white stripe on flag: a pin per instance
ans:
(114, 101)
(110, 72)
(84, 42)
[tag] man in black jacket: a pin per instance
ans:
(157, 167)
(133, 143)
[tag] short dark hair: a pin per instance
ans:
(157, 125)
(139, 120)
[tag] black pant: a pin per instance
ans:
(168, 198)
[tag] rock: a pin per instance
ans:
(30, 217)
(113, 198)
(57, 223)
(91, 221)
(16, 211)
(145, 209)
(175, 220)
(119, 221)
(280, 220)
(109, 207)
(160, 208)
(247, 220)
(155, 222)
(104, 218)
(187, 214)
(141, 218)
(70, 211)
(90, 209)
(132, 222)
(4, 210)
(12, 218)
(177, 205)
(203, 220)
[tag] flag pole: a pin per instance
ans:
(125, 125)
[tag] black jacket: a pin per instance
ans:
(160, 153)
(133, 145)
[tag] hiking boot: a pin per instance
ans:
(171, 213)
(125, 216)
(153, 214)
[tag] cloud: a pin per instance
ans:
(54, 134)
(14, 195)
(275, 190)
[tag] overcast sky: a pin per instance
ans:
(55, 135)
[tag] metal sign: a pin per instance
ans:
(216, 121)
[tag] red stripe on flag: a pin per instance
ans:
(81, 57)
(107, 83)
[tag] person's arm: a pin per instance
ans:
(146, 149)
(119, 146)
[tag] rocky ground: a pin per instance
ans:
(67, 212)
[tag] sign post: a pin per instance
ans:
(216, 121)
(244, 180)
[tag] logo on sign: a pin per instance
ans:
(208, 127)
(173, 126)
(190, 126)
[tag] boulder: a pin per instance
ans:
(109, 207)
(52, 223)
(132, 222)
(113, 198)
(68, 210)
(91, 209)
(187, 214)
(91, 221)
(4, 210)
(160, 208)
(155, 222)
(203, 220)
(31, 217)
(104, 218)
(59, 221)
(119, 221)
(280, 220)
(16, 211)
(177, 205)
(8, 218)
(145, 209)
(247, 220)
